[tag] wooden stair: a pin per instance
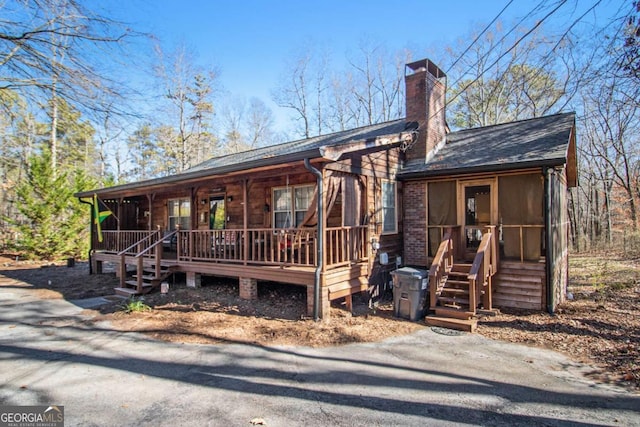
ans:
(452, 302)
(149, 282)
(520, 285)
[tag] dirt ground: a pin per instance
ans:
(599, 326)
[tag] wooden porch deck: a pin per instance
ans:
(260, 255)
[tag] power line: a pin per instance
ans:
(531, 12)
(560, 4)
(508, 50)
(478, 36)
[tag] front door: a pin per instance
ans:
(476, 210)
(217, 212)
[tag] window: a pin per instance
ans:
(290, 205)
(389, 210)
(179, 214)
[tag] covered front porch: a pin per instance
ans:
(144, 259)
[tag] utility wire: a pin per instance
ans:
(462, 75)
(506, 52)
(560, 4)
(478, 37)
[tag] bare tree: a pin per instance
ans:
(367, 91)
(377, 83)
(246, 125)
(302, 90)
(613, 133)
(187, 89)
(500, 80)
(53, 49)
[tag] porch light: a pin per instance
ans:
(229, 198)
(203, 201)
(266, 208)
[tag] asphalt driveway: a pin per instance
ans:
(50, 354)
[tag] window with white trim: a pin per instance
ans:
(290, 205)
(179, 214)
(389, 207)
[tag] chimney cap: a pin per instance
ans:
(424, 65)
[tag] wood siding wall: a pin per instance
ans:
(558, 253)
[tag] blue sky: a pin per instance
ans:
(249, 41)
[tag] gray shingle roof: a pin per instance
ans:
(541, 141)
(527, 143)
(265, 156)
(308, 147)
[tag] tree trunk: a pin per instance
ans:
(54, 130)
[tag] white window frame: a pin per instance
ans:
(292, 209)
(384, 209)
(181, 201)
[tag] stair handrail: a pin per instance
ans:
(485, 265)
(148, 237)
(158, 259)
(139, 260)
(441, 264)
(144, 251)
(123, 257)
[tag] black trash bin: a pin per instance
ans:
(410, 290)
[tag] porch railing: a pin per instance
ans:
(442, 262)
(258, 246)
(121, 240)
(346, 245)
(484, 267)
(514, 240)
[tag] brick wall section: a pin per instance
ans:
(248, 289)
(425, 104)
(325, 304)
(415, 223)
(416, 110)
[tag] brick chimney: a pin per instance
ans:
(425, 87)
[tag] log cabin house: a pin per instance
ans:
(483, 209)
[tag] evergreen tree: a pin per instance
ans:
(52, 222)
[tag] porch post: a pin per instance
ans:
(150, 219)
(245, 222)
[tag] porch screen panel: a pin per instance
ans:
(521, 202)
(442, 211)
